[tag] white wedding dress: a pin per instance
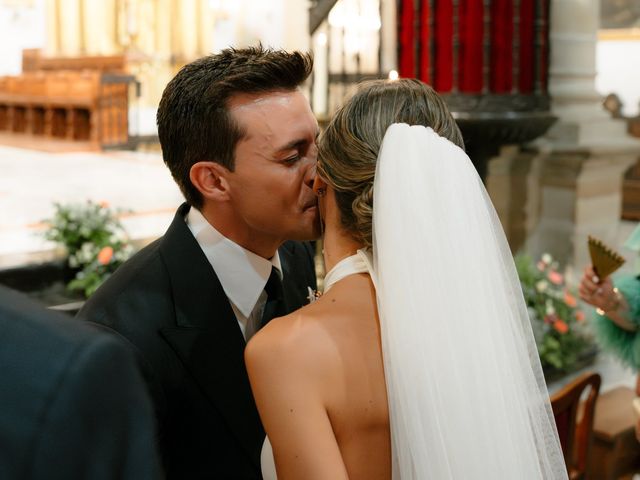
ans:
(466, 394)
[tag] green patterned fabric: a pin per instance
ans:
(625, 345)
(633, 242)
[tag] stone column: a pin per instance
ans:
(188, 28)
(53, 42)
(295, 23)
(68, 25)
(585, 153)
(320, 73)
(99, 20)
(389, 36)
(512, 185)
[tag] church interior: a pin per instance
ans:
(546, 94)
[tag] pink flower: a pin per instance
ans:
(570, 300)
(561, 327)
(555, 277)
(105, 255)
(580, 316)
(541, 265)
(104, 204)
(550, 318)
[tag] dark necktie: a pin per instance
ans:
(275, 299)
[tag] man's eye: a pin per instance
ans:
(292, 159)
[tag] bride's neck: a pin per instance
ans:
(337, 244)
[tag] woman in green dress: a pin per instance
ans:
(617, 319)
(617, 313)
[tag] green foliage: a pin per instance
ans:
(559, 326)
(95, 241)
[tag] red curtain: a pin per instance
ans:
(527, 53)
(425, 44)
(470, 32)
(501, 65)
(443, 42)
(406, 40)
(435, 45)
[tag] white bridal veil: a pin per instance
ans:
(467, 397)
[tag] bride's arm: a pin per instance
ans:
(287, 380)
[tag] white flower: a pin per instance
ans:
(549, 307)
(546, 258)
(313, 295)
(541, 286)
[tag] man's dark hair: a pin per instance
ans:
(194, 123)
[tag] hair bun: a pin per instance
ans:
(362, 207)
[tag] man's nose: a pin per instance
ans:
(310, 174)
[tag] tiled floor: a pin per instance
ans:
(31, 181)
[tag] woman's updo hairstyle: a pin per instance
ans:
(348, 148)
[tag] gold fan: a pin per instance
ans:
(605, 261)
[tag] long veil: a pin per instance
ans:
(467, 397)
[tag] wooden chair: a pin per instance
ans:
(574, 420)
(615, 453)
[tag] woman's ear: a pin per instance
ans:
(210, 178)
(319, 186)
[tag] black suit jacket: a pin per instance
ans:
(168, 302)
(72, 401)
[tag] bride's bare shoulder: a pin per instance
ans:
(299, 338)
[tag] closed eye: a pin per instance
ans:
(291, 160)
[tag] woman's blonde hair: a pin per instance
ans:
(348, 148)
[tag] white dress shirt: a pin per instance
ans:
(242, 273)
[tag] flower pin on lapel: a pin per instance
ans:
(313, 295)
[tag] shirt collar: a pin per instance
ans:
(242, 273)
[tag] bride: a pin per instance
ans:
(418, 362)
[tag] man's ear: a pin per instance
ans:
(210, 178)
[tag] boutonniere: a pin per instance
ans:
(313, 295)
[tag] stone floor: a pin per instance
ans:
(31, 181)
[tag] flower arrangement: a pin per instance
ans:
(94, 239)
(559, 326)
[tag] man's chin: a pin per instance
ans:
(310, 230)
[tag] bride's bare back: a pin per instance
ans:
(318, 379)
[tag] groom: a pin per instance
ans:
(239, 139)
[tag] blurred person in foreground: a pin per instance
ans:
(73, 404)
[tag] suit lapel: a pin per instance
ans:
(295, 290)
(207, 337)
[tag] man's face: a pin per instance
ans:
(275, 165)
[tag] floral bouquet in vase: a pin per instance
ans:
(95, 241)
(561, 332)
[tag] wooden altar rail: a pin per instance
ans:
(69, 105)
